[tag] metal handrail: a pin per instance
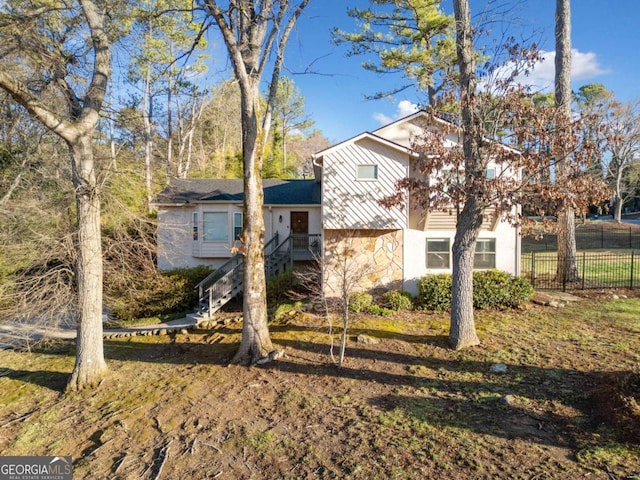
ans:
(221, 283)
(228, 265)
(217, 274)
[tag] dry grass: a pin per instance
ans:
(406, 407)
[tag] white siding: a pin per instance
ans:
(175, 240)
(349, 203)
(283, 228)
(507, 252)
(177, 249)
(409, 133)
(403, 133)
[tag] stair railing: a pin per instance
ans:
(280, 254)
(224, 282)
(220, 283)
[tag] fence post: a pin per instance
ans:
(631, 279)
(584, 262)
(533, 269)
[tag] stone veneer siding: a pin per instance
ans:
(374, 261)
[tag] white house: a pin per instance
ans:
(401, 245)
(199, 220)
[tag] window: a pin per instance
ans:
(367, 172)
(490, 173)
(485, 256)
(194, 223)
(438, 253)
(237, 225)
(215, 226)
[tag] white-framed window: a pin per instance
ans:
(237, 225)
(438, 253)
(367, 172)
(195, 219)
(485, 256)
(215, 226)
(490, 173)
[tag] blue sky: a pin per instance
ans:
(605, 40)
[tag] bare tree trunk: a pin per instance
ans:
(15, 183)
(147, 115)
(462, 331)
(148, 142)
(256, 341)
(343, 336)
(249, 30)
(112, 129)
(77, 127)
(567, 253)
(169, 172)
(617, 213)
(90, 366)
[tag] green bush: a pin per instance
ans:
(360, 301)
(280, 287)
(397, 300)
(434, 292)
(491, 289)
(160, 293)
(379, 310)
(520, 292)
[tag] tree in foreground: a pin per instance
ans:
(566, 228)
(44, 55)
(255, 34)
(507, 143)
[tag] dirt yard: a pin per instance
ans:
(404, 406)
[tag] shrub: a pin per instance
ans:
(491, 289)
(280, 286)
(496, 289)
(284, 308)
(379, 310)
(520, 292)
(434, 292)
(397, 300)
(360, 301)
(157, 294)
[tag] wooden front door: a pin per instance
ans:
(300, 226)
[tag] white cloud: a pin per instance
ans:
(584, 65)
(403, 109)
(382, 119)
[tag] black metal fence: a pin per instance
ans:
(585, 240)
(593, 270)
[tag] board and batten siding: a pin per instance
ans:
(349, 203)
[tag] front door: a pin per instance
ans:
(300, 229)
